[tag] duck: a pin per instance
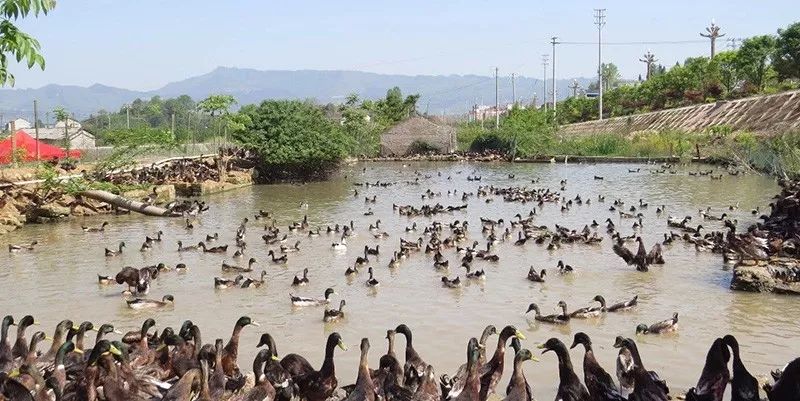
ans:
(590, 311)
(351, 271)
(306, 301)
(253, 282)
(334, 315)
(182, 248)
(624, 305)
(787, 386)
(105, 280)
(95, 229)
(340, 246)
(144, 303)
(222, 283)
(263, 390)
(364, 389)
(646, 384)
(744, 387)
(715, 375)
(372, 281)
(239, 269)
(454, 283)
(299, 281)
(599, 383)
(472, 385)
(110, 253)
(563, 268)
(290, 249)
(231, 350)
(20, 348)
(474, 275)
(570, 387)
(518, 388)
(318, 385)
(6, 354)
(664, 326)
(278, 261)
(274, 372)
(562, 318)
(624, 369)
(414, 367)
(22, 247)
(491, 372)
(213, 249)
(536, 277)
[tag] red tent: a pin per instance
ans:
(25, 143)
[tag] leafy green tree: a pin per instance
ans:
(293, 139)
(62, 115)
(610, 74)
(753, 59)
(728, 73)
(15, 43)
(217, 105)
(394, 108)
(786, 59)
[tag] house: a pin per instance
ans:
(71, 124)
(18, 124)
(481, 112)
(79, 138)
(404, 138)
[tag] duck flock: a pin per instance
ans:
(178, 365)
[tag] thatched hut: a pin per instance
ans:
(417, 133)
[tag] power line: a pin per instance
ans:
(664, 42)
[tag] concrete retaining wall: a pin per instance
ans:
(763, 114)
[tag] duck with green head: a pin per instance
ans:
(231, 353)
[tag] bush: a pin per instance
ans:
(490, 141)
(293, 140)
(419, 147)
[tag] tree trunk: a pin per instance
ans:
(127, 204)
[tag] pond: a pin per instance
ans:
(59, 279)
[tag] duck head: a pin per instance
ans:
(246, 321)
(581, 338)
(642, 329)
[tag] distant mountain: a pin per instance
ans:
(450, 94)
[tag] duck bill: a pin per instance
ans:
(255, 324)
(117, 332)
(543, 348)
(115, 351)
(534, 358)
(78, 351)
(519, 335)
(342, 346)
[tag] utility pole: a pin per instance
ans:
(13, 131)
(574, 87)
(712, 32)
(513, 90)
(173, 126)
(545, 58)
(36, 126)
(649, 59)
(554, 38)
(734, 43)
(128, 116)
(600, 21)
(496, 99)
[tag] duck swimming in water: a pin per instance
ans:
(333, 315)
(299, 281)
(562, 318)
(305, 301)
(143, 303)
(664, 326)
(536, 277)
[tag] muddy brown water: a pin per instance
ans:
(59, 278)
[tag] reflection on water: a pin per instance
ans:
(59, 278)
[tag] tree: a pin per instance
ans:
(728, 74)
(217, 105)
(610, 74)
(16, 43)
(393, 108)
(786, 59)
(62, 115)
(753, 59)
(293, 139)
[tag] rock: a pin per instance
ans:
(47, 213)
(10, 218)
(752, 278)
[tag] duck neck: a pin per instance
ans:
(58, 340)
(500, 352)
(364, 378)
(21, 331)
(4, 331)
(233, 344)
(518, 375)
(390, 351)
(328, 368)
(565, 369)
(79, 338)
(99, 336)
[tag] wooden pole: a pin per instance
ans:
(13, 130)
(36, 126)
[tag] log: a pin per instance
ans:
(127, 204)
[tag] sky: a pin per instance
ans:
(145, 44)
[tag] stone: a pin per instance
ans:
(752, 278)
